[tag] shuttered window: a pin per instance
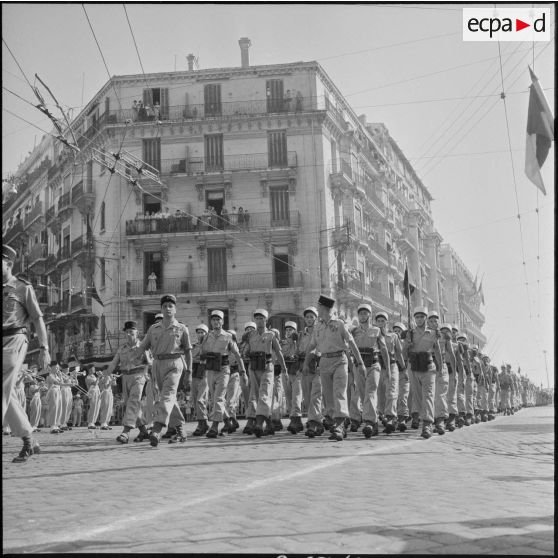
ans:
(274, 94)
(279, 201)
(281, 268)
(212, 99)
(216, 269)
(277, 149)
(214, 152)
(152, 152)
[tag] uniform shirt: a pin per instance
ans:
(220, 342)
(366, 338)
(19, 303)
(127, 358)
(304, 339)
(173, 338)
(475, 365)
(423, 340)
(330, 336)
(288, 346)
(392, 341)
(260, 343)
(196, 352)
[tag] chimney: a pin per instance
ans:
(191, 58)
(244, 43)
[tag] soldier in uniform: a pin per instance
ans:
(449, 348)
(106, 381)
(94, 398)
(169, 342)
(134, 376)
(330, 339)
(19, 306)
(261, 345)
(34, 404)
(54, 381)
(419, 347)
(459, 350)
(215, 349)
(278, 392)
(493, 388)
(476, 369)
(232, 397)
(403, 414)
(484, 387)
(505, 387)
(293, 384)
(66, 398)
(244, 380)
(199, 391)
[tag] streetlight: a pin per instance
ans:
(546, 368)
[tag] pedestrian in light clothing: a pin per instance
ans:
(94, 398)
(106, 381)
(77, 410)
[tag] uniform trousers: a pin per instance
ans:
(334, 375)
(54, 407)
(166, 377)
(66, 400)
(217, 381)
(493, 398)
(35, 410)
(151, 395)
(441, 393)
(105, 408)
(261, 392)
(470, 387)
(278, 397)
(461, 380)
(312, 390)
(132, 388)
(245, 389)
(94, 394)
(482, 397)
(14, 349)
(232, 396)
(403, 402)
(453, 380)
(388, 390)
(505, 402)
(423, 387)
(370, 393)
(355, 391)
(293, 393)
(199, 394)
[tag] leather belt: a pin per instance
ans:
(13, 331)
(134, 370)
(333, 355)
(168, 356)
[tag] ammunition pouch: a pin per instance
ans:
(313, 361)
(369, 357)
(214, 361)
(292, 364)
(259, 360)
(198, 370)
(234, 369)
(420, 362)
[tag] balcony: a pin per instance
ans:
(472, 310)
(37, 258)
(83, 197)
(50, 263)
(63, 258)
(64, 204)
(231, 223)
(79, 301)
(372, 291)
(203, 285)
(341, 174)
(13, 232)
(35, 220)
(377, 248)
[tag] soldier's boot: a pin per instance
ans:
(171, 431)
(426, 430)
(235, 425)
(143, 434)
(347, 423)
(155, 434)
(201, 429)
(311, 428)
(213, 432)
(477, 416)
(180, 435)
(370, 429)
(30, 447)
(491, 415)
(512, 411)
(338, 431)
(295, 426)
(401, 425)
(270, 426)
(415, 421)
(319, 428)
(276, 424)
(439, 426)
(382, 418)
(227, 426)
(327, 422)
(484, 416)
(355, 425)
(468, 419)
(124, 436)
(460, 422)
(249, 428)
(390, 424)
(259, 426)
(450, 423)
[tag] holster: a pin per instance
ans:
(420, 362)
(214, 361)
(198, 369)
(292, 365)
(259, 360)
(369, 357)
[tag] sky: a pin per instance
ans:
(405, 65)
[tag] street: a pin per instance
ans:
(485, 489)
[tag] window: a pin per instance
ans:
(358, 217)
(151, 204)
(274, 95)
(216, 269)
(391, 291)
(279, 201)
(103, 216)
(155, 97)
(214, 152)
(212, 99)
(333, 155)
(148, 320)
(153, 263)
(216, 200)
(152, 152)
(277, 149)
(103, 271)
(281, 267)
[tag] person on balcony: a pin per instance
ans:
(152, 283)
(135, 109)
(142, 112)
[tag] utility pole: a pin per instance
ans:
(546, 368)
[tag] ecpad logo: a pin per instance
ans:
(506, 24)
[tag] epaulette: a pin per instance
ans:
(23, 280)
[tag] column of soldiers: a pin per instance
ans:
(346, 378)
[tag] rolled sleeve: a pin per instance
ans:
(31, 304)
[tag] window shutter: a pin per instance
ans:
(164, 102)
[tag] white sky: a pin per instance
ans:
(459, 146)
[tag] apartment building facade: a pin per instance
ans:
(329, 204)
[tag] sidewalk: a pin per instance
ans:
(486, 489)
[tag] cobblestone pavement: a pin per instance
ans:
(487, 489)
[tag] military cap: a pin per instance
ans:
(291, 324)
(310, 309)
(202, 327)
(462, 336)
(326, 301)
(217, 314)
(131, 324)
(158, 316)
(446, 326)
(72, 368)
(420, 310)
(53, 363)
(454, 328)
(8, 253)
(250, 324)
(475, 347)
(64, 366)
(364, 306)
(433, 314)
(486, 357)
(381, 314)
(261, 312)
(400, 325)
(168, 298)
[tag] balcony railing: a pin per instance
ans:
(34, 214)
(254, 281)
(63, 254)
(81, 243)
(38, 252)
(368, 290)
(50, 214)
(234, 222)
(14, 231)
(64, 201)
(79, 300)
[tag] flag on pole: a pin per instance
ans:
(408, 289)
(540, 133)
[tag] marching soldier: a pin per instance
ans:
(459, 350)
(476, 369)
(19, 306)
(293, 384)
(232, 397)
(448, 348)
(134, 376)
(494, 388)
(261, 345)
(484, 387)
(66, 397)
(419, 347)
(106, 400)
(53, 382)
(403, 414)
(330, 339)
(245, 384)
(505, 387)
(199, 391)
(169, 342)
(35, 404)
(278, 393)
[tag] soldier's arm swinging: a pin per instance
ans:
(234, 350)
(381, 342)
(278, 353)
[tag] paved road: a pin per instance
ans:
(484, 489)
